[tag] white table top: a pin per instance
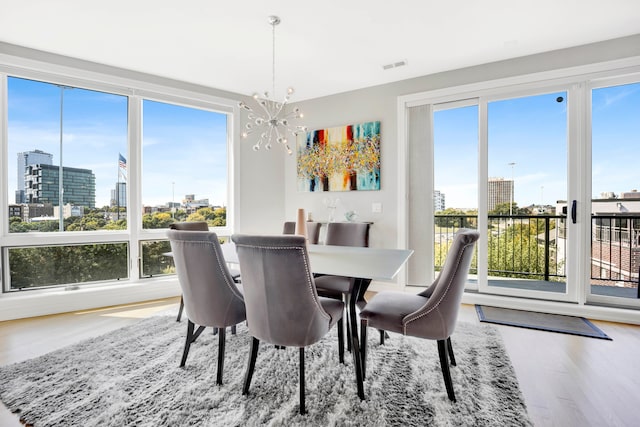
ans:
(363, 263)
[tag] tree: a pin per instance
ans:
(457, 218)
(504, 210)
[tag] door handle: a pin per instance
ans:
(574, 211)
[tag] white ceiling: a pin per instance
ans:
(322, 47)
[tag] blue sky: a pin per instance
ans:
(95, 132)
(531, 132)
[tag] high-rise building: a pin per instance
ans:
(119, 195)
(78, 185)
(500, 191)
(438, 201)
(25, 159)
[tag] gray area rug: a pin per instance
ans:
(541, 321)
(130, 377)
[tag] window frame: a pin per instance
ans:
(137, 89)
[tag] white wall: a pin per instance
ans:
(380, 103)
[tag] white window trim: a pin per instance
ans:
(82, 74)
(601, 74)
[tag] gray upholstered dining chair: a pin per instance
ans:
(211, 296)
(196, 226)
(431, 314)
(189, 226)
(283, 307)
(313, 230)
(339, 287)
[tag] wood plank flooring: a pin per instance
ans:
(566, 380)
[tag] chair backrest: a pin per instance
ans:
(279, 290)
(211, 297)
(445, 294)
(313, 230)
(347, 234)
(191, 226)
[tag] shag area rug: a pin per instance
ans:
(131, 377)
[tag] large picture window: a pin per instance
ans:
(88, 179)
(64, 149)
(184, 170)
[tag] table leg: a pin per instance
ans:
(355, 345)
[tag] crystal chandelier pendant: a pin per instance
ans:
(271, 120)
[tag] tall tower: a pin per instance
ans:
(26, 159)
(500, 191)
(438, 201)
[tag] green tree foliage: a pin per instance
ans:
(503, 210)
(57, 265)
(451, 218)
(157, 220)
(516, 249)
(214, 217)
(154, 258)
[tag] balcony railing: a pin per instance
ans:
(534, 247)
(522, 246)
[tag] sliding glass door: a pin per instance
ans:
(614, 258)
(527, 248)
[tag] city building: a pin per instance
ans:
(41, 185)
(615, 247)
(36, 210)
(119, 195)
(500, 191)
(26, 159)
(438, 201)
(15, 211)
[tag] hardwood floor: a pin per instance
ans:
(566, 380)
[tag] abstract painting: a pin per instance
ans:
(344, 158)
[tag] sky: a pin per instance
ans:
(531, 132)
(95, 134)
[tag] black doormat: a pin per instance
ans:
(540, 321)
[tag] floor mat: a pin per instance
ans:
(541, 321)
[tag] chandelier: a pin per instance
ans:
(271, 120)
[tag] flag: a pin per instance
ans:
(122, 167)
(122, 162)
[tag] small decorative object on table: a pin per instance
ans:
(350, 216)
(301, 226)
(331, 204)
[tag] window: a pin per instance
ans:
(185, 165)
(79, 174)
(64, 140)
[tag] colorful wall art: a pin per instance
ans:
(344, 158)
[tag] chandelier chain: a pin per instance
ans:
(273, 58)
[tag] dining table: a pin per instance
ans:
(361, 265)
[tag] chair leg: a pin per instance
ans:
(341, 341)
(452, 358)
(382, 334)
(253, 354)
(233, 330)
(363, 347)
(191, 337)
(180, 309)
(221, 342)
(303, 410)
(348, 324)
(444, 364)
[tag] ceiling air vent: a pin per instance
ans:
(394, 65)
